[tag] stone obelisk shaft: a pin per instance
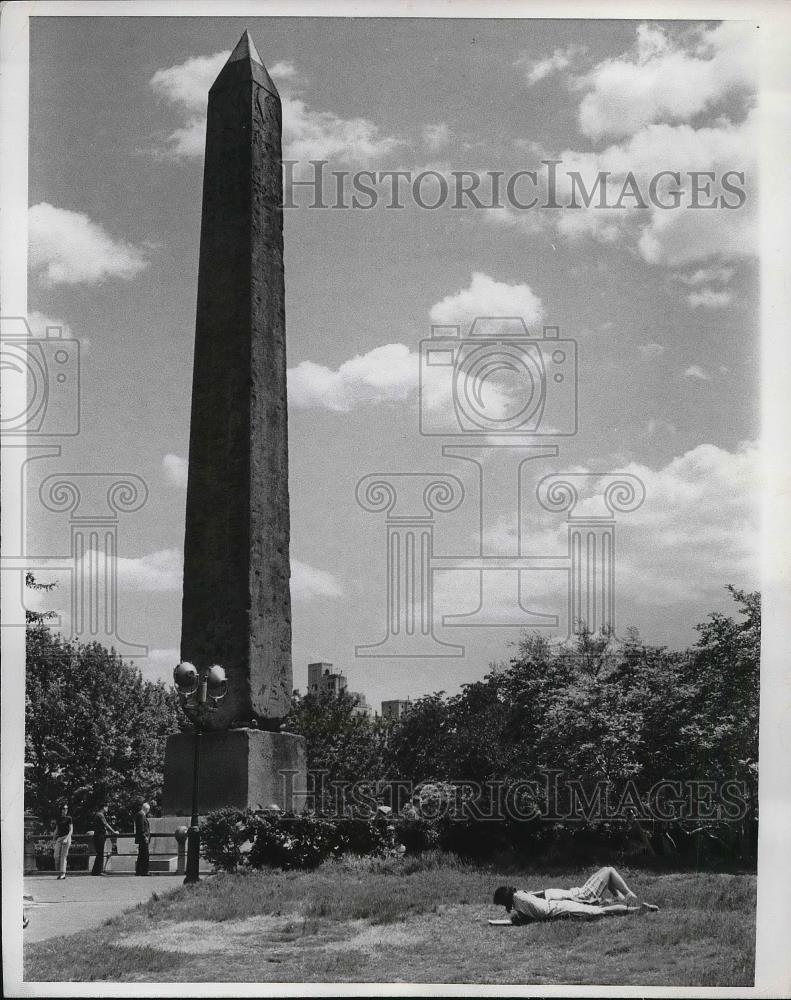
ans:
(236, 606)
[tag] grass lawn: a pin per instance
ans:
(415, 920)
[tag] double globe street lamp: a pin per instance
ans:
(201, 690)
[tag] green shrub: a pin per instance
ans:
(417, 834)
(361, 837)
(223, 833)
(285, 841)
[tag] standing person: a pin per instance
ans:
(101, 831)
(142, 838)
(64, 828)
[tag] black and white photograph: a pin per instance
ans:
(394, 476)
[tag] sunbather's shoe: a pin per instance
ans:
(649, 907)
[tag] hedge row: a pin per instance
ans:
(232, 838)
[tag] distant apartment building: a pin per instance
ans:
(395, 709)
(322, 677)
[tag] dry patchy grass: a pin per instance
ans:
(420, 920)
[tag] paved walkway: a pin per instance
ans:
(82, 901)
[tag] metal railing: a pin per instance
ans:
(111, 851)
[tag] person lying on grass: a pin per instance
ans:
(586, 902)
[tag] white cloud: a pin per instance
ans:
(385, 374)
(698, 529)
(659, 426)
(539, 69)
(186, 141)
(650, 350)
(708, 275)
(708, 298)
(667, 79)
(436, 136)
(390, 373)
(308, 582)
(323, 135)
(307, 134)
(187, 84)
(283, 70)
(38, 323)
(175, 468)
(156, 572)
(696, 372)
(650, 99)
(487, 297)
(162, 572)
(663, 236)
(68, 248)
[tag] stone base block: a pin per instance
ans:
(238, 768)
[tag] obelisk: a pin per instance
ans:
(236, 608)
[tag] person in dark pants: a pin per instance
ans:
(101, 831)
(142, 838)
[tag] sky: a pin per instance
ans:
(662, 304)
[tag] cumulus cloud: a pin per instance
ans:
(308, 582)
(696, 372)
(650, 350)
(187, 84)
(322, 135)
(666, 78)
(698, 529)
(390, 373)
(39, 322)
(659, 426)
(436, 136)
(283, 70)
(175, 468)
(650, 100)
(487, 297)
(539, 69)
(162, 572)
(623, 173)
(307, 133)
(707, 275)
(385, 374)
(708, 298)
(156, 572)
(68, 248)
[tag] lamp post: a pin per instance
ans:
(201, 687)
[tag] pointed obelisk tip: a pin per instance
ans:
(244, 63)
(245, 49)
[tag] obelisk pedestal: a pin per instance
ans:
(238, 768)
(236, 609)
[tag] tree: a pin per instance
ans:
(94, 729)
(342, 745)
(726, 706)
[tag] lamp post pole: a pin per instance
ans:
(199, 687)
(193, 834)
